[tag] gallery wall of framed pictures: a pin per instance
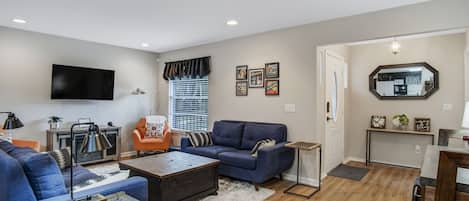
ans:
(267, 78)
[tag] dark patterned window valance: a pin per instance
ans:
(190, 68)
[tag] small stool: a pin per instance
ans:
(307, 146)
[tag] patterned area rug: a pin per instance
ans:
(229, 190)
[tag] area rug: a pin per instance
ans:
(348, 172)
(229, 190)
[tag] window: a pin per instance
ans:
(188, 104)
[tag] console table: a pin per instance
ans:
(370, 131)
(60, 138)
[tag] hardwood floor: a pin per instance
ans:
(382, 183)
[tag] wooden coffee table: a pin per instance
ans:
(175, 175)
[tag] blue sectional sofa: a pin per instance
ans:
(232, 144)
(26, 175)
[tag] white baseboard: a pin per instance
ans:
(128, 154)
(348, 159)
(303, 180)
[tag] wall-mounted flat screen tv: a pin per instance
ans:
(79, 83)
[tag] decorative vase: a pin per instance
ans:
(54, 125)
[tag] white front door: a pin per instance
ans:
(334, 120)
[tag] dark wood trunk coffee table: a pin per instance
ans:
(175, 176)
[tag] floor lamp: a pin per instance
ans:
(94, 141)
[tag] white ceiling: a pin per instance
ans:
(173, 24)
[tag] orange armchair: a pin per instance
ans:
(33, 144)
(150, 144)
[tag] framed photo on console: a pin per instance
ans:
(422, 124)
(272, 70)
(256, 78)
(242, 72)
(378, 121)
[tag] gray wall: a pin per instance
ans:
(26, 60)
(295, 49)
(446, 54)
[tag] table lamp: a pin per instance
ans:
(94, 141)
(12, 122)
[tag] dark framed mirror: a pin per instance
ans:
(404, 81)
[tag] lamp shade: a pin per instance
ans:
(12, 122)
(465, 119)
(94, 141)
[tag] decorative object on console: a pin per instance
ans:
(400, 121)
(378, 121)
(54, 122)
(272, 70)
(262, 144)
(242, 72)
(422, 124)
(256, 78)
(272, 87)
(200, 139)
(12, 122)
(242, 88)
(93, 142)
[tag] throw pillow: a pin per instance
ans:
(262, 144)
(62, 157)
(200, 139)
(152, 130)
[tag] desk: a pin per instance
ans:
(369, 131)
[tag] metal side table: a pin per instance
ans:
(306, 146)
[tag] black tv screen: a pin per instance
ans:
(71, 82)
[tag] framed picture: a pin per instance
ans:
(272, 87)
(272, 70)
(256, 78)
(378, 121)
(241, 88)
(242, 72)
(422, 124)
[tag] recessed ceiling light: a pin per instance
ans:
(232, 22)
(19, 21)
(145, 45)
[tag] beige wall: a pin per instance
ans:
(467, 66)
(26, 60)
(445, 53)
(295, 49)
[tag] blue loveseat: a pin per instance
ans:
(26, 175)
(232, 144)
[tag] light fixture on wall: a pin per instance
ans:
(395, 46)
(139, 91)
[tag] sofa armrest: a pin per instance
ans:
(185, 142)
(276, 159)
(136, 187)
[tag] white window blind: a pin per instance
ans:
(188, 104)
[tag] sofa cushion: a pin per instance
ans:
(42, 171)
(254, 132)
(210, 151)
(14, 184)
(239, 158)
(80, 175)
(227, 133)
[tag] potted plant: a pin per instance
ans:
(54, 122)
(400, 121)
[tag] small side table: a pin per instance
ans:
(306, 146)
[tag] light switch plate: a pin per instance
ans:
(447, 107)
(290, 108)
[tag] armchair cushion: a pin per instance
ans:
(210, 151)
(227, 133)
(239, 158)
